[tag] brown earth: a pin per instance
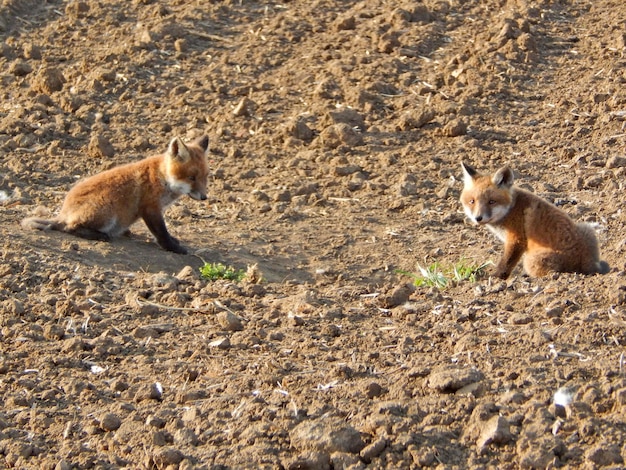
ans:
(336, 132)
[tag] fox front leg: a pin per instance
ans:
(156, 225)
(513, 251)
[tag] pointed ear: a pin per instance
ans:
(177, 150)
(469, 173)
(503, 177)
(203, 143)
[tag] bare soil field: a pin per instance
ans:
(336, 135)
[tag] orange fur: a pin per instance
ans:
(547, 238)
(107, 204)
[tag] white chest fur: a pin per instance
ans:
(499, 232)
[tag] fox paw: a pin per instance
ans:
(176, 248)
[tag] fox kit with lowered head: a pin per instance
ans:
(546, 236)
(107, 204)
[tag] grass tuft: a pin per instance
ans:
(435, 275)
(215, 271)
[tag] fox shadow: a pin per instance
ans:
(138, 253)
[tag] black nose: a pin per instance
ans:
(203, 197)
(479, 218)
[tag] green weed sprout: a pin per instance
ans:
(215, 271)
(434, 275)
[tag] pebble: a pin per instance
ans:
(604, 455)
(244, 107)
(326, 435)
(168, 456)
(20, 68)
(99, 146)
(455, 128)
(449, 379)
(149, 392)
(373, 390)
(49, 80)
(220, 343)
(494, 431)
(373, 450)
(229, 321)
(110, 422)
(311, 461)
(340, 134)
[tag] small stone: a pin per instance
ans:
(76, 9)
(185, 436)
(415, 119)
(346, 170)
(142, 332)
(149, 392)
(373, 450)
(407, 185)
(495, 431)
(32, 51)
(283, 196)
(455, 128)
(554, 312)
(20, 68)
(295, 320)
(422, 457)
(373, 390)
(181, 45)
(300, 130)
(155, 421)
(520, 319)
(49, 80)
(99, 146)
(244, 107)
(349, 116)
(158, 438)
(449, 379)
(119, 385)
(604, 455)
(326, 435)
(187, 274)
(616, 162)
(168, 456)
(345, 460)
(340, 134)
(63, 465)
(110, 422)
(399, 296)
(311, 461)
(13, 307)
(220, 343)
(346, 23)
(53, 331)
(229, 321)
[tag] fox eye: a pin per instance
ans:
(192, 178)
(491, 202)
(471, 201)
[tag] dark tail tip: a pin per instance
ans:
(603, 267)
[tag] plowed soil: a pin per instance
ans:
(336, 133)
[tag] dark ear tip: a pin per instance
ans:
(469, 169)
(203, 142)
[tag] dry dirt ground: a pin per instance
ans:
(337, 129)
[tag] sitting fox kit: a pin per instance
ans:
(549, 240)
(107, 204)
